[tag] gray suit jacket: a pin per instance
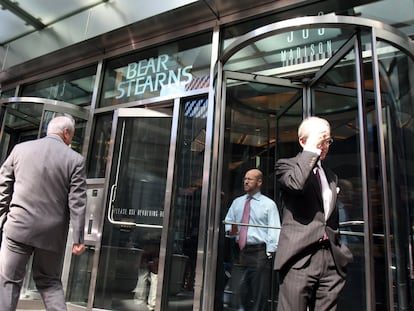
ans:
(303, 217)
(43, 185)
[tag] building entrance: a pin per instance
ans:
(142, 238)
(353, 76)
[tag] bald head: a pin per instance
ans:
(253, 180)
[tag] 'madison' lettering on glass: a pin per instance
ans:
(309, 45)
(306, 53)
(154, 75)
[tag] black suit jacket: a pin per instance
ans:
(303, 217)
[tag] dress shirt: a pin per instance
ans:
(263, 211)
(326, 190)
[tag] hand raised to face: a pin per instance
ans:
(317, 137)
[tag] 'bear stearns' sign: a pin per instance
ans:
(153, 75)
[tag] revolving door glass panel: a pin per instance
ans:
(250, 139)
(21, 123)
(128, 269)
(335, 97)
(397, 84)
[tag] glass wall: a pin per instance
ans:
(335, 97)
(75, 87)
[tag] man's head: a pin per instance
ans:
(253, 180)
(63, 126)
(315, 132)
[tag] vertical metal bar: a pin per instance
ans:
(383, 169)
(95, 263)
(368, 247)
(162, 289)
(93, 106)
(307, 102)
(207, 248)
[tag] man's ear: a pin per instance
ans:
(302, 141)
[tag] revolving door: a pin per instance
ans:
(360, 79)
(26, 118)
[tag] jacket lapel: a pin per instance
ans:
(332, 185)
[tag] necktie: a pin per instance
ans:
(318, 176)
(245, 220)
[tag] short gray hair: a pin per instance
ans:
(58, 125)
(307, 124)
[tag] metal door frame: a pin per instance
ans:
(136, 112)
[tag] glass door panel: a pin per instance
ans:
(130, 246)
(396, 76)
(335, 97)
(185, 214)
(21, 123)
(251, 132)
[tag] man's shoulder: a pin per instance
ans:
(266, 199)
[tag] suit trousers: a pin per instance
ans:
(255, 282)
(47, 269)
(316, 285)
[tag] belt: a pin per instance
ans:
(255, 246)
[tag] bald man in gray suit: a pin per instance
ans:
(43, 188)
(311, 258)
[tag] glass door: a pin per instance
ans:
(261, 113)
(127, 276)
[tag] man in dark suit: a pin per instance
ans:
(311, 258)
(42, 188)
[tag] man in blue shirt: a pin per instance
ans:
(257, 240)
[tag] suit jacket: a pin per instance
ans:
(43, 185)
(303, 217)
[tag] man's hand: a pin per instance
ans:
(78, 249)
(316, 138)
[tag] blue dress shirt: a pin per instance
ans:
(263, 212)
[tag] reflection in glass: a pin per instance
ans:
(98, 155)
(128, 269)
(396, 78)
(251, 133)
(185, 213)
(8, 93)
(77, 291)
(75, 87)
(22, 122)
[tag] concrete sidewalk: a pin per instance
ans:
(30, 305)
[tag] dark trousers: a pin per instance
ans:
(47, 268)
(316, 284)
(255, 282)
